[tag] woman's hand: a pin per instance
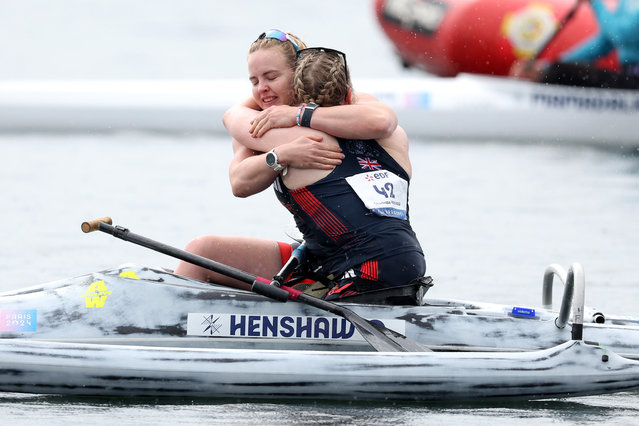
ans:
(309, 152)
(270, 118)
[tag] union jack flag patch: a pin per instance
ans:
(369, 163)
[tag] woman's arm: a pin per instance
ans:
(365, 118)
(249, 173)
(397, 146)
(237, 121)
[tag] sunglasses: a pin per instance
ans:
(333, 52)
(279, 35)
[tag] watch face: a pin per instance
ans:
(271, 159)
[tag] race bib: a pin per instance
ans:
(383, 192)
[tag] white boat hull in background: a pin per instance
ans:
(467, 107)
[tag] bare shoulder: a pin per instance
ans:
(398, 140)
(397, 146)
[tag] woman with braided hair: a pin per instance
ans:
(354, 218)
(371, 245)
(255, 124)
(320, 80)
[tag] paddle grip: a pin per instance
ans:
(93, 225)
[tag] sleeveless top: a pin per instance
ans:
(357, 213)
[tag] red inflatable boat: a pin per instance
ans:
(447, 37)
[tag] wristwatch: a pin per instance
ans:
(308, 114)
(271, 161)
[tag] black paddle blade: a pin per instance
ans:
(382, 339)
(391, 340)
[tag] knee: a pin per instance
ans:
(202, 245)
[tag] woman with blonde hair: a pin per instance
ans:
(362, 233)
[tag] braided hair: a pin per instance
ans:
(321, 77)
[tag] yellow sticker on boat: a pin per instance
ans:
(129, 274)
(96, 295)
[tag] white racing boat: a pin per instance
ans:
(465, 107)
(144, 331)
(571, 369)
(136, 305)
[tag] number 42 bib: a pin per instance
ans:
(383, 192)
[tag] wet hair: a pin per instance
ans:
(322, 77)
(285, 47)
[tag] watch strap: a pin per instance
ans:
(308, 114)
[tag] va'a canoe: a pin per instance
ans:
(570, 369)
(134, 304)
(144, 331)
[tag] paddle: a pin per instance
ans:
(560, 27)
(379, 337)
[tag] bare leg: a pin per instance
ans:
(257, 256)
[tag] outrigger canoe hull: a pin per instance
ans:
(136, 305)
(137, 331)
(571, 369)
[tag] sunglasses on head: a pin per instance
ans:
(342, 55)
(303, 52)
(279, 35)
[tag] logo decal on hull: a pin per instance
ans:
(18, 320)
(129, 274)
(96, 295)
(211, 324)
(278, 326)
